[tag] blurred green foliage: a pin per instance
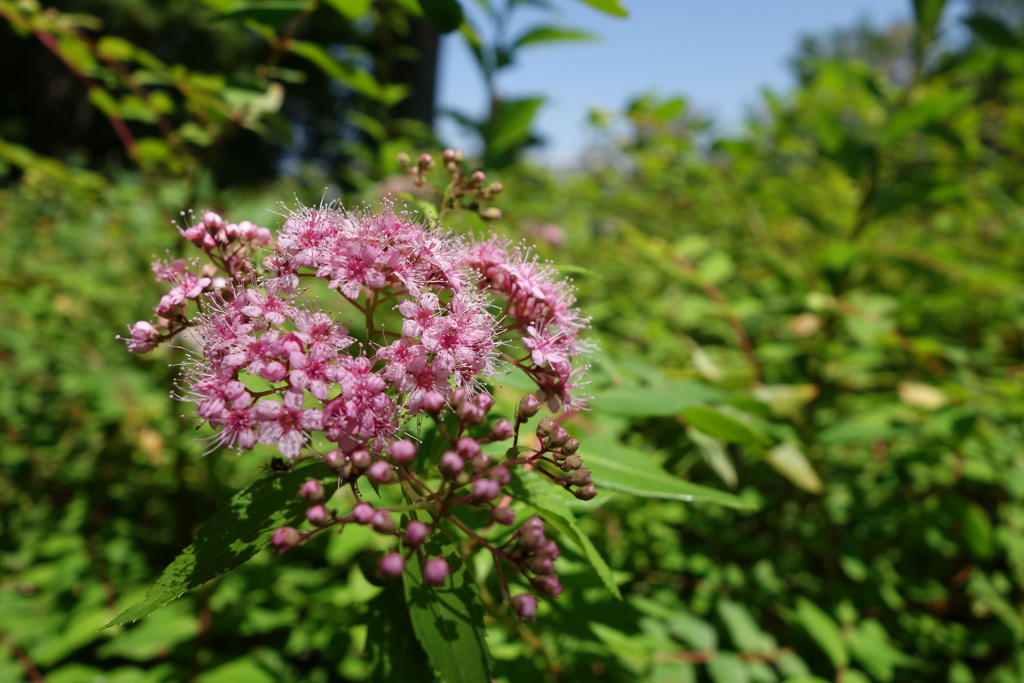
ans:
(823, 315)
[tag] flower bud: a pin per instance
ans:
(548, 585)
(383, 522)
(470, 414)
(524, 605)
(403, 452)
(468, 448)
(312, 490)
(504, 516)
(570, 446)
(451, 464)
(361, 459)
(528, 407)
(573, 462)
(477, 177)
(403, 159)
(335, 459)
(484, 401)
(391, 566)
(433, 402)
(435, 571)
(588, 492)
(501, 430)
(545, 427)
(459, 397)
(426, 162)
(285, 538)
(558, 436)
(531, 534)
(491, 213)
(448, 155)
(363, 513)
(580, 477)
(415, 533)
(380, 473)
(318, 515)
(541, 564)
(485, 490)
(501, 475)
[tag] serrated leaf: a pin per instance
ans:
(448, 621)
(616, 467)
(229, 539)
(717, 423)
(824, 630)
(551, 34)
(550, 501)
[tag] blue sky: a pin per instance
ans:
(719, 54)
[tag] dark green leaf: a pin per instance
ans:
(510, 124)
(448, 620)
(395, 654)
(446, 15)
(229, 539)
(550, 501)
(268, 14)
(663, 400)
(992, 31)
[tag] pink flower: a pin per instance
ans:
(287, 424)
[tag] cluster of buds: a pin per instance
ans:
(467, 477)
(465, 189)
(432, 318)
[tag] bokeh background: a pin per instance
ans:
(808, 296)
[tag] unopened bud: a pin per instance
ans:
(524, 605)
(571, 463)
(382, 522)
(448, 155)
(451, 464)
(570, 446)
(391, 566)
(484, 401)
(468, 448)
(588, 492)
(380, 473)
(312, 490)
(580, 477)
(504, 516)
(501, 475)
(433, 402)
(477, 177)
(363, 513)
(318, 515)
(361, 459)
(485, 490)
(542, 564)
(415, 533)
(545, 428)
(470, 414)
(426, 162)
(501, 430)
(435, 571)
(528, 407)
(403, 452)
(285, 538)
(531, 534)
(548, 585)
(491, 213)
(403, 159)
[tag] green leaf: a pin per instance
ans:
(351, 9)
(510, 124)
(268, 14)
(617, 467)
(791, 463)
(612, 7)
(448, 621)
(824, 630)
(229, 539)
(978, 534)
(552, 34)
(714, 455)
(395, 654)
(927, 14)
(663, 400)
(743, 628)
(992, 31)
(446, 15)
(550, 501)
(717, 423)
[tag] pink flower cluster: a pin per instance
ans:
(273, 367)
